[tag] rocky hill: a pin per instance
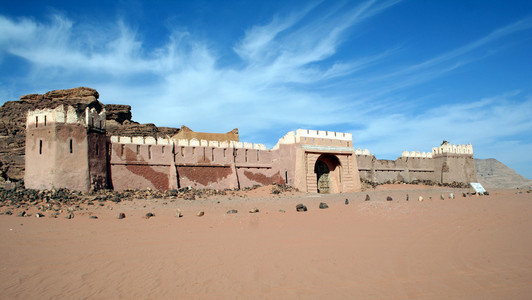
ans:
(491, 173)
(13, 122)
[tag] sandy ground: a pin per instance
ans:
(478, 247)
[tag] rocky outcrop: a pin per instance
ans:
(491, 173)
(13, 122)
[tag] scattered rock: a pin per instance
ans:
(22, 213)
(93, 217)
(346, 201)
(70, 216)
(407, 197)
(488, 193)
(323, 205)
(442, 197)
(121, 216)
(367, 197)
(255, 210)
(9, 213)
(389, 198)
(282, 210)
(301, 207)
(200, 214)
(451, 196)
(420, 199)
(39, 215)
(149, 215)
(178, 213)
(232, 211)
(464, 195)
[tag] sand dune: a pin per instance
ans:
(462, 248)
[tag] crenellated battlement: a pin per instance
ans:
(316, 137)
(140, 140)
(416, 154)
(362, 152)
(95, 119)
(447, 148)
(59, 115)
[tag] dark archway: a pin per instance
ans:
(322, 175)
(327, 170)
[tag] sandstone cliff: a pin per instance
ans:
(491, 173)
(13, 121)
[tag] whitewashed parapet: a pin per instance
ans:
(416, 154)
(95, 119)
(289, 138)
(194, 142)
(150, 140)
(164, 141)
(137, 140)
(362, 152)
(259, 146)
(344, 136)
(184, 142)
(453, 149)
(43, 117)
(234, 144)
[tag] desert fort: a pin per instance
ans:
(68, 145)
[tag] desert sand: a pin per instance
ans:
(474, 247)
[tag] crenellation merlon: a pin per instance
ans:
(60, 115)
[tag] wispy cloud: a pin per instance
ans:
(286, 76)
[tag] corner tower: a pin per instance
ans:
(66, 148)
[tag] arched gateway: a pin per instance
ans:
(328, 174)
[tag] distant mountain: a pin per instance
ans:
(491, 173)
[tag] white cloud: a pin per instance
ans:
(287, 77)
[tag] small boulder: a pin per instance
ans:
(200, 214)
(301, 207)
(39, 215)
(93, 217)
(255, 210)
(282, 210)
(367, 197)
(442, 197)
(346, 201)
(420, 199)
(232, 211)
(149, 215)
(407, 197)
(389, 198)
(22, 213)
(178, 213)
(323, 205)
(464, 195)
(487, 193)
(451, 196)
(70, 216)
(121, 216)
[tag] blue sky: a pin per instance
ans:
(398, 75)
